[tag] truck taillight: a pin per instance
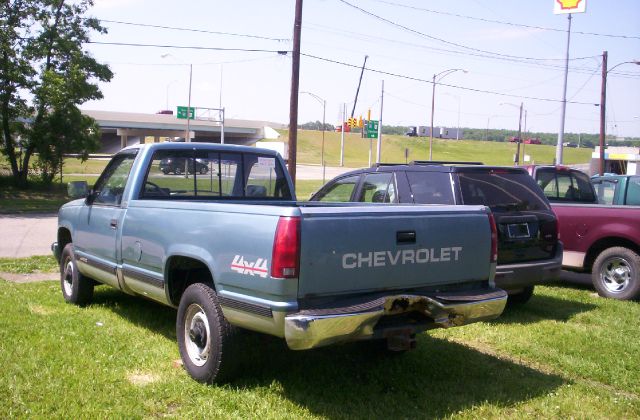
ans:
(494, 239)
(286, 249)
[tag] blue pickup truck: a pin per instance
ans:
(230, 248)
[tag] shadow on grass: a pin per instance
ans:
(357, 380)
(541, 308)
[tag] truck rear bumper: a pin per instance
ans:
(359, 320)
(514, 277)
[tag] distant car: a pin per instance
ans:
(621, 190)
(529, 252)
(569, 144)
(177, 166)
(563, 184)
(532, 141)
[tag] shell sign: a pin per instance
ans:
(569, 6)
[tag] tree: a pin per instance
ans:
(45, 75)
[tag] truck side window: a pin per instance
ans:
(264, 178)
(430, 187)
(378, 188)
(339, 191)
(110, 186)
(633, 192)
(605, 190)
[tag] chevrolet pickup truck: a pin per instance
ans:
(231, 248)
(623, 190)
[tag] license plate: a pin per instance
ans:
(518, 230)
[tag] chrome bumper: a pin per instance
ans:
(321, 327)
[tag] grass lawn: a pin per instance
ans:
(566, 354)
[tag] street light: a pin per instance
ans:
(441, 76)
(324, 108)
(516, 160)
(486, 133)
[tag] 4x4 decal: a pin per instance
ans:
(256, 268)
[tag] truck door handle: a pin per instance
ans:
(113, 223)
(406, 237)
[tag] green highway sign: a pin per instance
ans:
(372, 129)
(182, 113)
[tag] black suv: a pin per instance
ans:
(529, 252)
(178, 164)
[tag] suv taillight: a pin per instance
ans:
(286, 249)
(494, 239)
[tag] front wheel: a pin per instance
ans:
(204, 335)
(616, 274)
(76, 288)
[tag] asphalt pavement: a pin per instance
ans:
(25, 235)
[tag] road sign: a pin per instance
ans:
(182, 113)
(372, 129)
(569, 6)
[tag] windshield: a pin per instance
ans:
(502, 190)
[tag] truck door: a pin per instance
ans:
(97, 237)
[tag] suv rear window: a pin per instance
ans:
(502, 189)
(565, 185)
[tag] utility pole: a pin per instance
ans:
(603, 112)
(564, 98)
(380, 125)
(295, 84)
(525, 134)
(517, 159)
(353, 110)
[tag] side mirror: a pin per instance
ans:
(77, 189)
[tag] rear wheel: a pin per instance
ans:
(616, 273)
(177, 170)
(522, 297)
(204, 336)
(76, 288)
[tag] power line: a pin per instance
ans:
(522, 25)
(417, 79)
(174, 28)
(414, 31)
(188, 47)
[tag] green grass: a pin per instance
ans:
(356, 153)
(38, 263)
(566, 354)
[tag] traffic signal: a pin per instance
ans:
(360, 121)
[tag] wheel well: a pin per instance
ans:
(182, 272)
(605, 243)
(64, 238)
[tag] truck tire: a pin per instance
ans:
(522, 297)
(177, 170)
(76, 288)
(204, 336)
(616, 274)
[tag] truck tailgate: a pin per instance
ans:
(375, 248)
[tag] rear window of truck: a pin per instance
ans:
(565, 185)
(502, 190)
(185, 174)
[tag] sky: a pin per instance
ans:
(406, 41)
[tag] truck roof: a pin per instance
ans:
(200, 146)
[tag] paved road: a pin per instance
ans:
(26, 235)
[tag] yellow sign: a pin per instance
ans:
(569, 6)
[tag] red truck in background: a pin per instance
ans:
(603, 240)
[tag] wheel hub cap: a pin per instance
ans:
(616, 275)
(197, 336)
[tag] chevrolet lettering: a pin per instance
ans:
(230, 247)
(407, 256)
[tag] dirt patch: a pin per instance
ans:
(29, 278)
(142, 379)
(41, 310)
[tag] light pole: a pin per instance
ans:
(603, 103)
(324, 108)
(438, 76)
(516, 160)
(486, 133)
